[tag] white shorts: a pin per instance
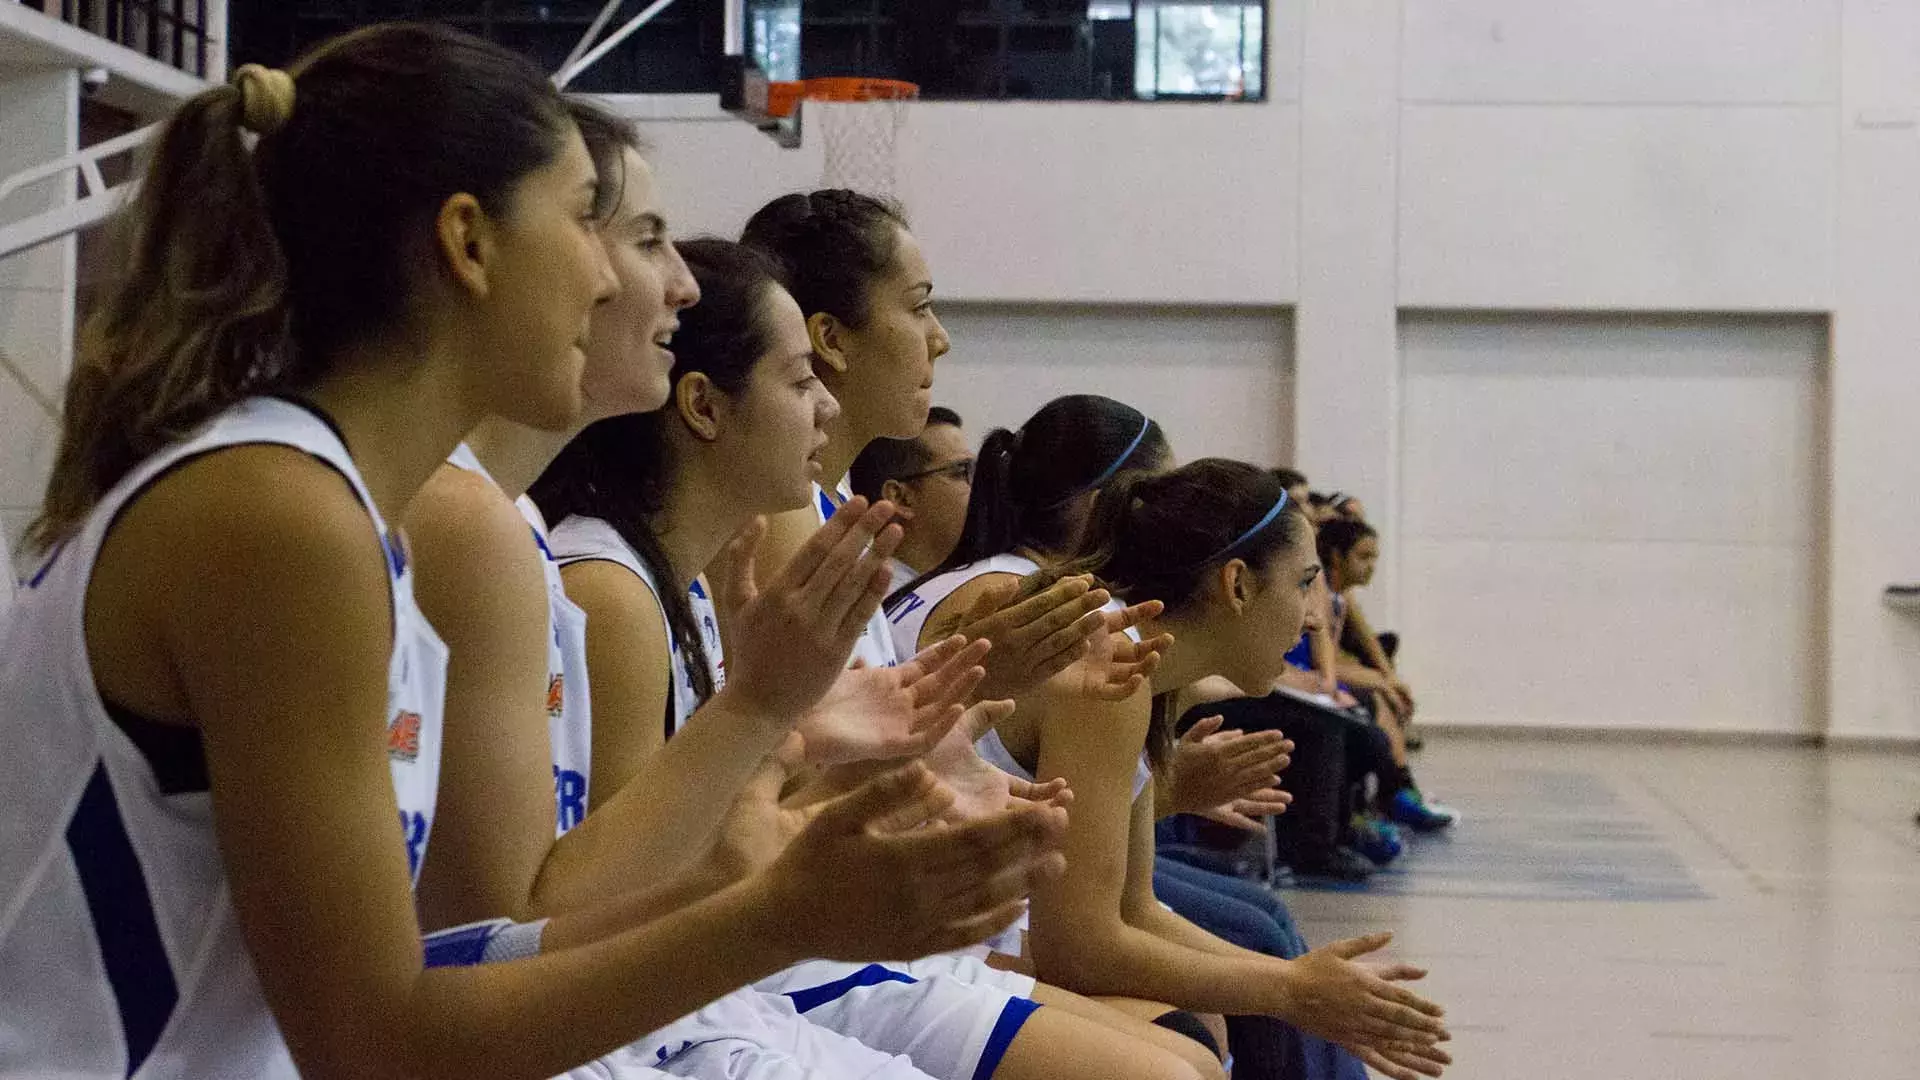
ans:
(748, 1035)
(969, 965)
(952, 1029)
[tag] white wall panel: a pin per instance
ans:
(1609, 635)
(1617, 208)
(1106, 203)
(1088, 202)
(1688, 430)
(1219, 381)
(1611, 521)
(1622, 51)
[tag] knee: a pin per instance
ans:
(1203, 1046)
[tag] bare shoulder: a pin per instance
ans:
(614, 597)
(246, 509)
(945, 617)
(463, 527)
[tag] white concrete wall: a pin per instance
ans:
(1612, 521)
(38, 122)
(1218, 381)
(1874, 673)
(1542, 156)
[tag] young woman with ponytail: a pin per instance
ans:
(863, 285)
(1227, 558)
(1035, 488)
(224, 704)
(641, 503)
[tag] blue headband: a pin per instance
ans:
(1257, 528)
(1146, 424)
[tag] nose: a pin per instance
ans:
(828, 409)
(938, 343)
(608, 283)
(682, 290)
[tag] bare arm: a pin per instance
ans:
(658, 812)
(305, 813)
(1098, 929)
(1080, 938)
(1370, 650)
(629, 670)
(478, 579)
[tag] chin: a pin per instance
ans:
(556, 414)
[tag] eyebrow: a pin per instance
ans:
(651, 221)
(926, 285)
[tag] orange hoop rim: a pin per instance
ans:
(784, 97)
(858, 88)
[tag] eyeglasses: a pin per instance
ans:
(961, 470)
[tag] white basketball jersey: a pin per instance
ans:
(909, 618)
(117, 933)
(705, 614)
(907, 614)
(584, 539)
(569, 711)
(876, 643)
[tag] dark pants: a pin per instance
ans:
(1331, 751)
(1252, 917)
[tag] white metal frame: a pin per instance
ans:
(97, 202)
(585, 54)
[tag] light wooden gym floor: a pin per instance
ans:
(1613, 911)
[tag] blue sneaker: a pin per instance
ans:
(1409, 809)
(1377, 840)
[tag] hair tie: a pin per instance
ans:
(266, 98)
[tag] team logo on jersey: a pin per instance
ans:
(403, 737)
(556, 696)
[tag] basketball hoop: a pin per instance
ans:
(859, 123)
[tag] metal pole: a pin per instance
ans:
(586, 40)
(733, 28)
(594, 55)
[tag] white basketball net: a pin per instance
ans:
(860, 140)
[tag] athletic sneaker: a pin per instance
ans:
(1377, 840)
(1409, 809)
(1336, 867)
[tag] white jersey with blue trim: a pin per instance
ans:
(569, 710)
(585, 539)
(114, 903)
(907, 614)
(876, 643)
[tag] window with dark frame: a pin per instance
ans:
(1067, 50)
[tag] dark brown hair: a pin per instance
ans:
(829, 246)
(1159, 536)
(619, 469)
(250, 264)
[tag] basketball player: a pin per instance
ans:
(474, 550)
(211, 753)
(1219, 544)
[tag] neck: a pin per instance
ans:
(515, 454)
(913, 551)
(697, 521)
(401, 415)
(847, 435)
(1185, 663)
